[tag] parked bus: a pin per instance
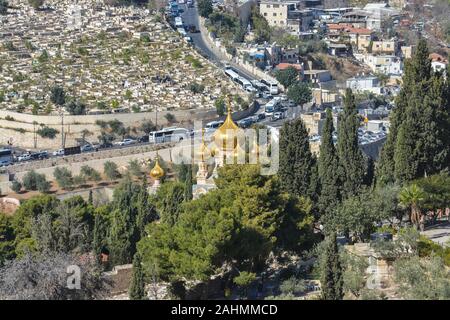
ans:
(231, 73)
(171, 134)
(271, 85)
(259, 85)
(6, 157)
(246, 85)
(213, 125)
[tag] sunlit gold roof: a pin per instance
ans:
(227, 132)
(203, 153)
(157, 172)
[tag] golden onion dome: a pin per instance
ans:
(157, 172)
(227, 131)
(203, 153)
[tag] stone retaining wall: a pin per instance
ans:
(74, 125)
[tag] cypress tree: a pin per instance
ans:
(121, 245)
(418, 141)
(188, 184)
(137, 286)
(296, 159)
(351, 161)
(332, 278)
(97, 237)
(146, 212)
(328, 168)
(91, 198)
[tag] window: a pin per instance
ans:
(276, 5)
(388, 45)
(274, 14)
(265, 14)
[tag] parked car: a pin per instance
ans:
(59, 152)
(127, 142)
(192, 29)
(5, 162)
(245, 123)
(88, 148)
(105, 145)
(261, 116)
(24, 157)
(39, 155)
(266, 95)
(277, 116)
(143, 139)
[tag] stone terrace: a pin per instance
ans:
(105, 56)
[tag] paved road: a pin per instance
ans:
(190, 17)
(439, 233)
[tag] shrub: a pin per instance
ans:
(42, 184)
(110, 170)
(16, 186)
(196, 87)
(169, 117)
(63, 177)
(47, 132)
(90, 173)
(35, 181)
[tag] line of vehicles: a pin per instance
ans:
(174, 11)
(259, 86)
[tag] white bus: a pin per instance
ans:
(213, 125)
(171, 134)
(271, 85)
(246, 85)
(258, 85)
(232, 74)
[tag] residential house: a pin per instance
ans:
(337, 49)
(285, 14)
(276, 11)
(384, 47)
(241, 8)
(406, 51)
(378, 13)
(360, 38)
(362, 83)
(385, 64)
(314, 122)
(317, 76)
(438, 62)
(284, 66)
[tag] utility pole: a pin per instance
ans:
(34, 134)
(61, 113)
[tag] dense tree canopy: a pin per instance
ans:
(236, 225)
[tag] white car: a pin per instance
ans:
(127, 142)
(277, 116)
(24, 157)
(59, 152)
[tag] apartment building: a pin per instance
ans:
(285, 14)
(384, 47)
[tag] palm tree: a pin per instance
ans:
(413, 196)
